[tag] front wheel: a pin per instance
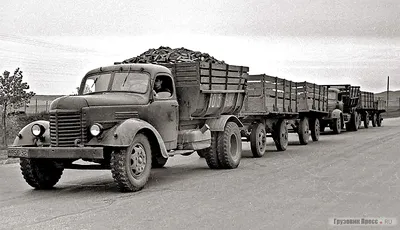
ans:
(230, 146)
(337, 125)
(41, 173)
(131, 167)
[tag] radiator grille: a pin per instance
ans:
(66, 127)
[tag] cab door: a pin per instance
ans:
(163, 114)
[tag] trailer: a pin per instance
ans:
(269, 107)
(370, 109)
(312, 107)
(131, 117)
(342, 108)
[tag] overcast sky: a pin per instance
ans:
(323, 41)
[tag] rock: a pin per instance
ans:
(167, 55)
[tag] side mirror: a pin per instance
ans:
(152, 96)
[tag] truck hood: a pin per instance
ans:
(104, 99)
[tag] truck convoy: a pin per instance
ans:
(120, 121)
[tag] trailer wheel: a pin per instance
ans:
(210, 154)
(315, 129)
(322, 127)
(359, 120)
(374, 119)
(337, 126)
(41, 173)
(281, 135)
(258, 140)
(379, 120)
(366, 120)
(131, 167)
(230, 146)
(304, 131)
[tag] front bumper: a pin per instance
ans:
(56, 152)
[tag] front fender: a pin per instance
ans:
(122, 135)
(218, 124)
(26, 138)
(336, 113)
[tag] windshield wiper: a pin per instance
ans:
(129, 71)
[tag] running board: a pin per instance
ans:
(180, 152)
(87, 167)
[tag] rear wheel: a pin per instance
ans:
(230, 146)
(41, 173)
(374, 119)
(281, 135)
(210, 154)
(258, 140)
(359, 120)
(366, 120)
(337, 125)
(131, 167)
(315, 129)
(304, 131)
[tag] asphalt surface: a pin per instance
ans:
(354, 174)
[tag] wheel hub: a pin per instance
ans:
(138, 159)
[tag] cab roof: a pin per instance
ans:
(150, 68)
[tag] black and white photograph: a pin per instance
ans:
(257, 114)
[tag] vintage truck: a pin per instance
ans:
(342, 105)
(370, 109)
(118, 122)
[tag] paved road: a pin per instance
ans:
(347, 175)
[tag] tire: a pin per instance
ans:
(200, 153)
(322, 128)
(337, 125)
(315, 129)
(379, 120)
(210, 154)
(229, 146)
(354, 123)
(366, 120)
(304, 131)
(131, 167)
(374, 119)
(258, 140)
(41, 173)
(281, 135)
(158, 161)
(359, 120)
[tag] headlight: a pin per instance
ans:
(37, 130)
(96, 129)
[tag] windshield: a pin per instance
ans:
(127, 82)
(132, 82)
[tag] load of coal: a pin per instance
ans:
(168, 55)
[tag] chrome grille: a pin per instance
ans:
(66, 127)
